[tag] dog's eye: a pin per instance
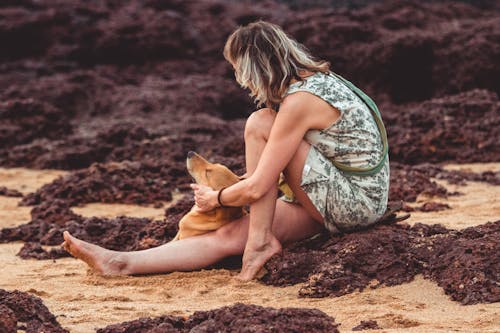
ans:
(207, 171)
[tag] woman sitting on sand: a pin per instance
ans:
(312, 122)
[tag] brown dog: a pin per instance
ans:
(215, 176)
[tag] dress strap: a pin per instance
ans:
(383, 133)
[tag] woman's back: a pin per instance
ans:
(350, 200)
(354, 138)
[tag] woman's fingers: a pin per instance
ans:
(201, 197)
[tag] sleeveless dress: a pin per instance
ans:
(346, 201)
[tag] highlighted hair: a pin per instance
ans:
(266, 59)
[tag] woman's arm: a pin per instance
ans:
(292, 122)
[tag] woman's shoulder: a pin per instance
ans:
(309, 83)
(306, 80)
(297, 97)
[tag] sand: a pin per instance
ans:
(83, 300)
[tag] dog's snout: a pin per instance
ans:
(190, 154)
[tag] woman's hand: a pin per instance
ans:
(205, 197)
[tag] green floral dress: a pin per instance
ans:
(346, 201)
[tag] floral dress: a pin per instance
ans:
(346, 201)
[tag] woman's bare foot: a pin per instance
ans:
(106, 262)
(255, 257)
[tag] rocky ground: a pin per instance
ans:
(116, 94)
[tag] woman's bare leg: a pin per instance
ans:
(291, 223)
(261, 243)
(270, 223)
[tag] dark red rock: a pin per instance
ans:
(464, 262)
(36, 251)
(367, 325)
(18, 307)
(461, 127)
(132, 122)
(406, 51)
(8, 320)
(460, 177)
(9, 192)
(461, 261)
(26, 32)
(126, 182)
(167, 324)
(236, 318)
(150, 182)
(49, 220)
(466, 265)
(118, 92)
(433, 207)
(133, 33)
(172, 69)
(21, 121)
(407, 182)
(79, 92)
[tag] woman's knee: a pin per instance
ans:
(259, 123)
(233, 236)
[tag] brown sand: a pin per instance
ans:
(83, 301)
(478, 203)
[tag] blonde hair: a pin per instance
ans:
(266, 59)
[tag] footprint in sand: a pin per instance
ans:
(392, 320)
(39, 293)
(114, 299)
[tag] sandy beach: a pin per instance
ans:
(101, 101)
(83, 301)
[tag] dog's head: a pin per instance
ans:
(215, 176)
(209, 174)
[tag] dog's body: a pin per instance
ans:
(217, 177)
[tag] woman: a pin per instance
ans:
(312, 129)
